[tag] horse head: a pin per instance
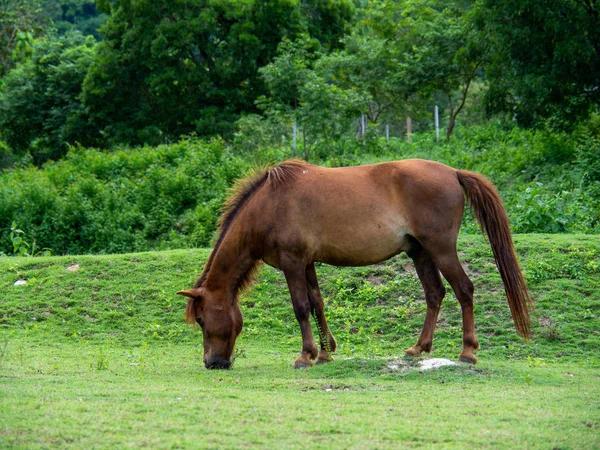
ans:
(221, 321)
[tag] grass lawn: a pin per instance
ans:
(99, 357)
(161, 397)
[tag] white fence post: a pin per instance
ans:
(363, 128)
(294, 142)
(437, 123)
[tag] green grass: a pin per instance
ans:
(100, 357)
(58, 396)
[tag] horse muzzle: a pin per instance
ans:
(217, 363)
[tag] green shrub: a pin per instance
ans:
(127, 200)
(170, 196)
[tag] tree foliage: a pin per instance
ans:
(20, 22)
(40, 107)
(436, 47)
(398, 55)
(545, 57)
(167, 69)
(71, 15)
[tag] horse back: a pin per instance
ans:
(359, 215)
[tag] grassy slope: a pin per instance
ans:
(101, 357)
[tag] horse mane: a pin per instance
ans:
(239, 195)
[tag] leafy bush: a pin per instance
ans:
(127, 200)
(539, 209)
(21, 247)
(169, 196)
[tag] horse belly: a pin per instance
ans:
(362, 242)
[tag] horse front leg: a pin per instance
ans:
(295, 275)
(327, 341)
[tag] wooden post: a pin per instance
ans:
(387, 133)
(408, 128)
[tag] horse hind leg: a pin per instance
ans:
(448, 263)
(327, 341)
(434, 293)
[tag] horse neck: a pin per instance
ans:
(232, 265)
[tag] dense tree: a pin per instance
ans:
(288, 72)
(546, 57)
(20, 22)
(399, 54)
(368, 66)
(301, 91)
(40, 106)
(436, 47)
(328, 20)
(167, 69)
(70, 15)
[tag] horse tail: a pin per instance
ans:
(489, 211)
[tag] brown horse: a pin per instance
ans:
(295, 214)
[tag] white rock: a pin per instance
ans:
(20, 282)
(426, 364)
(435, 363)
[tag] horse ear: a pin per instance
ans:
(192, 293)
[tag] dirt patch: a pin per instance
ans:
(375, 280)
(331, 387)
(545, 321)
(408, 267)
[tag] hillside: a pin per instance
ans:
(100, 357)
(378, 310)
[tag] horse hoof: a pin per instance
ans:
(415, 350)
(301, 365)
(468, 360)
(320, 361)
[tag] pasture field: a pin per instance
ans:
(99, 357)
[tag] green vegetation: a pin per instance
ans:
(95, 202)
(122, 124)
(243, 75)
(72, 15)
(20, 22)
(542, 68)
(40, 110)
(102, 349)
(169, 196)
(155, 72)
